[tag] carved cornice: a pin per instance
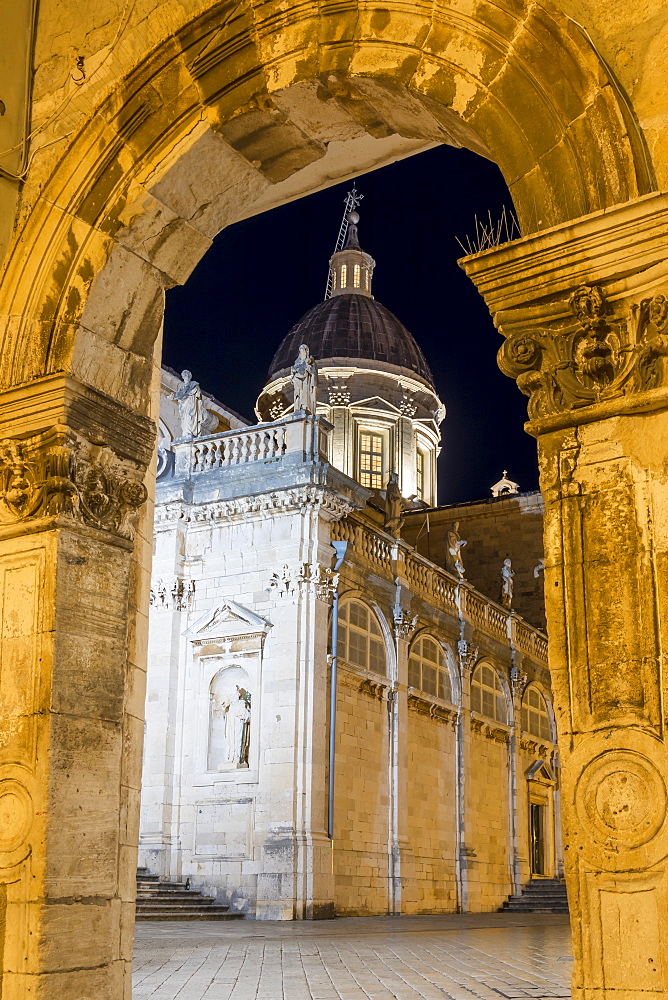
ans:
(601, 357)
(423, 705)
(330, 504)
(60, 473)
(490, 732)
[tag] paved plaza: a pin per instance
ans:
(463, 957)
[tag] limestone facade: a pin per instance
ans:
(186, 117)
(432, 795)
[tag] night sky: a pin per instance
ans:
(263, 274)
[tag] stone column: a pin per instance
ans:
(74, 590)
(584, 309)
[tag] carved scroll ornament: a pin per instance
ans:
(599, 358)
(61, 473)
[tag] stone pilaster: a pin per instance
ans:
(467, 654)
(584, 309)
(73, 581)
(401, 868)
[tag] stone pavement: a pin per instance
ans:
(464, 957)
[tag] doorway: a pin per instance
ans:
(537, 838)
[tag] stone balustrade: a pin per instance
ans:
(459, 598)
(297, 438)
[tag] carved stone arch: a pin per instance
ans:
(194, 137)
(450, 659)
(354, 593)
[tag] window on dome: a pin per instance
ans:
(535, 717)
(419, 474)
(360, 640)
(357, 274)
(344, 275)
(487, 695)
(371, 461)
(427, 669)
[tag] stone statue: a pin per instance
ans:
(507, 574)
(393, 506)
(244, 748)
(453, 553)
(305, 381)
(191, 406)
(234, 715)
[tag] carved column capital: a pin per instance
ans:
(584, 312)
(467, 654)
(405, 624)
(60, 472)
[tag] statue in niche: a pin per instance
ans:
(229, 740)
(305, 381)
(191, 406)
(394, 517)
(507, 574)
(453, 552)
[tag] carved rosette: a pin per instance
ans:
(60, 473)
(600, 356)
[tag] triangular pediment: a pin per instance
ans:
(541, 771)
(374, 403)
(225, 620)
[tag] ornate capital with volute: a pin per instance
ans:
(584, 312)
(59, 472)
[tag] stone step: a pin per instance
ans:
(169, 913)
(158, 900)
(539, 896)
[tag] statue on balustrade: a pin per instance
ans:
(507, 574)
(305, 381)
(191, 406)
(394, 506)
(453, 552)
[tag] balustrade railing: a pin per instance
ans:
(301, 438)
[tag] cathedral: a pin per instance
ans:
(349, 708)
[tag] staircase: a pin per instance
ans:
(540, 895)
(158, 900)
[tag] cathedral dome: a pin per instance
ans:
(352, 326)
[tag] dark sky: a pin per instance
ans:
(261, 276)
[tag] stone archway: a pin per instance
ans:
(226, 114)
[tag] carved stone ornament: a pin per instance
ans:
(518, 681)
(178, 597)
(468, 654)
(330, 504)
(323, 579)
(404, 624)
(60, 473)
(599, 357)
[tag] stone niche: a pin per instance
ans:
(225, 655)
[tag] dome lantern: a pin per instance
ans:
(351, 269)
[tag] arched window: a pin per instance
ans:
(344, 275)
(427, 668)
(357, 273)
(487, 694)
(366, 280)
(535, 716)
(360, 639)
